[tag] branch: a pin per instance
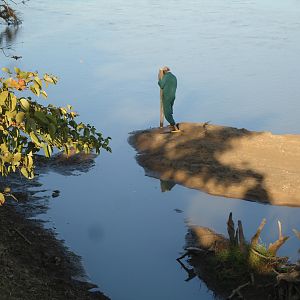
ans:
(230, 229)
(254, 240)
(242, 242)
(237, 291)
(273, 247)
(22, 235)
(297, 233)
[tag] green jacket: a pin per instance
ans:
(168, 84)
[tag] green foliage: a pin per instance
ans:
(27, 126)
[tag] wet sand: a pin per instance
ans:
(224, 161)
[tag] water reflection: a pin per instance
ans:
(166, 185)
(8, 37)
(29, 193)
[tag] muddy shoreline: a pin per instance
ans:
(224, 161)
(34, 263)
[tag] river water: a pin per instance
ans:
(237, 64)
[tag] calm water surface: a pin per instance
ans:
(237, 64)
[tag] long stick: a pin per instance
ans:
(162, 116)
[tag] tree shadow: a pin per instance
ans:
(194, 159)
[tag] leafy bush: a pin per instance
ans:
(26, 126)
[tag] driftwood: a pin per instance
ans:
(254, 240)
(273, 247)
(281, 279)
(208, 239)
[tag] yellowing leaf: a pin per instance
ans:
(24, 172)
(17, 157)
(7, 190)
(6, 70)
(44, 94)
(20, 117)
(34, 138)
(47, 150)
(35, 90)
(2, 199)
(3, 97)
(25, 104)
(38, 81)
(13, 102)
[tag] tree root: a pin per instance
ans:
(237, 291)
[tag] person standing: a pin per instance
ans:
(168, 83)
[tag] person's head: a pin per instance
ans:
(165, 69)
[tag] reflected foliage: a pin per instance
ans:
(166, 185)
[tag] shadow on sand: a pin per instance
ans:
(225, 161)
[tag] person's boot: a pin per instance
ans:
(175, 128)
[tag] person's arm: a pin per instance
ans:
(162, 82)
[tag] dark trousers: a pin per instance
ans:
(168, 110)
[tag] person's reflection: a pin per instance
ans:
(166, 186)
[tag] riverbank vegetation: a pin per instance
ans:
(235, 268)
(28, 127)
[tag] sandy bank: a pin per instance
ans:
(225, 161)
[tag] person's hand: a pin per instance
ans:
(160, 74)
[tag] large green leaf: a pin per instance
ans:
(41, 117)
